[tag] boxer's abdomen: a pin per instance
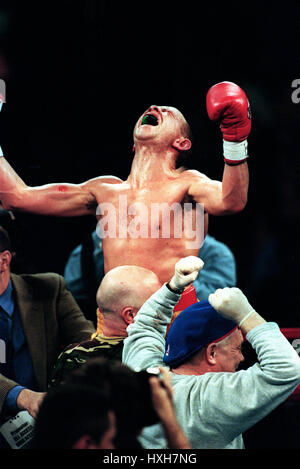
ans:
(157, 255)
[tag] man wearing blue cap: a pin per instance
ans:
(214, 403)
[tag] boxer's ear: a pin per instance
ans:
(182, 144)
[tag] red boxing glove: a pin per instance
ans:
(227, 102)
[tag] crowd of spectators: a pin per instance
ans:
(172, 389)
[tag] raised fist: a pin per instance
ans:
(186, 272)
(231, 303)
(228, 103)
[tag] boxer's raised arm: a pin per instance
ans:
(50, 199)
(227, 103)
(221, 198)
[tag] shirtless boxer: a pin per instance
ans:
(161, 134)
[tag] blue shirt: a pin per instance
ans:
(219, 269)
(73, 270)
(22, 364)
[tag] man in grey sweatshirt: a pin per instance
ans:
(214, 403)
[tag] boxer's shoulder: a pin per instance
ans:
(103, 180)
(193, 175)
(101, 184)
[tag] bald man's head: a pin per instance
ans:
(125, 288)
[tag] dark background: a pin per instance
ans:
(79, 74)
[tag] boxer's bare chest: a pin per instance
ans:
(141, 225)
(126, 202)
(164, 191)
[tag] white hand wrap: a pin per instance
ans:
(235, 152)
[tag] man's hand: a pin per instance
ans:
(162, 396)
(30, 401)
(162, 399)
(231, 303)
(186, 272)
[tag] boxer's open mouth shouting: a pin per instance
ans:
(149, 119)
(152, 117)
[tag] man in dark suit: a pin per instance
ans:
(38, 316)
